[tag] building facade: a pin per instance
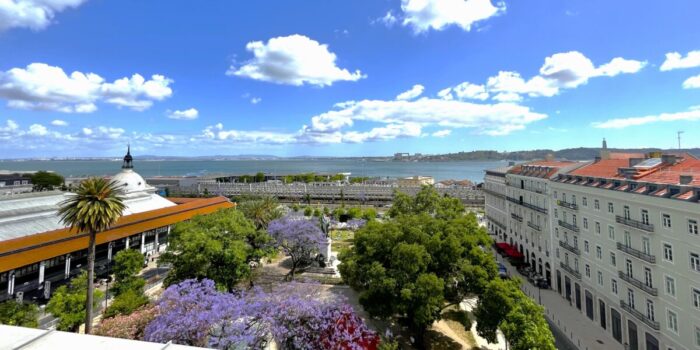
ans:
(629, 249)
(38, 253)
(494, 189)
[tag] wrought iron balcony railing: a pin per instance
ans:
(568, 226)
(534, 226)
(516, 217)
(570, 270)
(527, 205)
(565, 204)
(634, 223)
(642, 317)
(570, 248)
(636, 253)
(637, 283)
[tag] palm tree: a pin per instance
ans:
(95, 206)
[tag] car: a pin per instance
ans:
(502, 271)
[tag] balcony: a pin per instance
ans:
(639, 284)
(634, 223)
(534, 226)
(642, 317)
(572, 206)
(493, 193)
(495, 222)
(516, 217)
(636, 253)
(527, 205)
(570, 270)
(568, 226)
(570, 248)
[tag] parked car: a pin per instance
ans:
(502, 271)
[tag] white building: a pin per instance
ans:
(494, 189)
(629, 249)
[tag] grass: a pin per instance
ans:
(341, 239)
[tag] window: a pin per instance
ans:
(626, 212)
(628, 265)
(628, 239)
(668, 252)
(599, 252)
(693, 227)
(597, 228)
(576, 242)
(613, 259)
(646, 246)
(556, 214)
(596, 204)
(588, 271)
(585, 201)
(585, 223)
(670, 286)
(696, 298)
(555, 194)
(600, 278)
(672, 321)
(645, 217)
(573, 199)
(611, 232)
(613, 285)
(697, 336)
(585, 246)
(666, 220)
(573, 219)
(650, 310)
(630, 298)
(647, 277)
(695, 262)
(611, 208)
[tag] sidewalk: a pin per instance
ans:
(578, 329)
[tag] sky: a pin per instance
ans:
(345, 78)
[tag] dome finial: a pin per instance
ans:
(128, 160)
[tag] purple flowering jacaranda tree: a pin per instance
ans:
(298, 238)
(294, 316)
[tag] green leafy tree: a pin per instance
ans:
(19, 314)
(128, 286)
(260, 177)
(44, 180)
(369, 214)
(261, 211)
(219, 246)
(308, 211)
(95, 205)
(354, 213)
(68, 303)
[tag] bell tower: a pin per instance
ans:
(128, 160)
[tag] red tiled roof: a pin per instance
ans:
(670, 175)
(687, 195)
(606, 168)
(626, 155)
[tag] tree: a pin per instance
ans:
(293, 315)
(260, 177)
(128, 286)
(422, 261)
(354, 212)
(14, 313)
(308, 211)
(369, 214)
(130, 326)
(95, 205)
(299, 239)
(504, 306)
(219, 246)
(261, 211)
(44, 180)
(69, 303)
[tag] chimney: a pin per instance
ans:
(596, 159)
(635, 161)
(668, 159)
(686, 179)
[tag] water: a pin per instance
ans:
(471, 170)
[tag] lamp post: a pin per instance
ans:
(109, 274)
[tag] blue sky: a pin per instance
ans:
(322, 77)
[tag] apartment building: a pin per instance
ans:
(494, 189)
(628, 250)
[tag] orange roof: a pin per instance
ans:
(539, 168)
(670, 175)
(34, 248)
(606, 168)
(626, 155)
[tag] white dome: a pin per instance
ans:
(130, 181)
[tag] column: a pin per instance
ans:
(67, 272)
(42, 266)
(143, 243)
(11, 283)
(127, 243)
(155, 243)
(109, 251)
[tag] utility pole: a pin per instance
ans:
(679, 139)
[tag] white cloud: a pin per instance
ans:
(38, 130)
(388, 20)
(59, 122)
(293, 60)
(188, 114)
(32, 14)
(442, 133)
(412, 93)
(692, 82)
(40, 86)
(423, 15)
(674, 60)
(255, 100)
(619, 123)
(566, 70)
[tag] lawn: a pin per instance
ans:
(341, 239)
